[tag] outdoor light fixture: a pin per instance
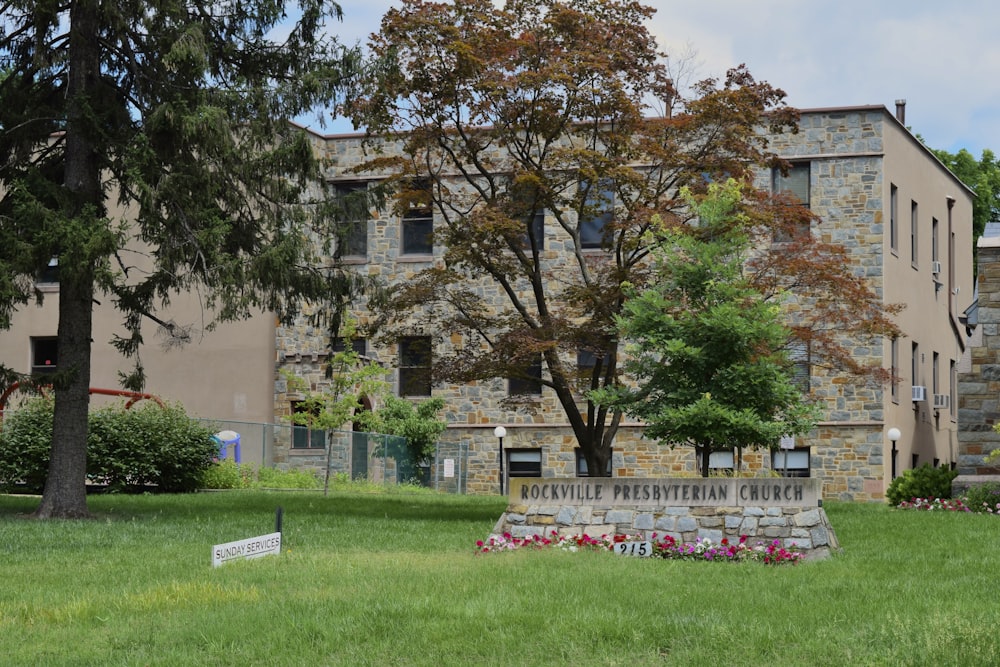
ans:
(894, 435)
(500, 432)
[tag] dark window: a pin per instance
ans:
(790, 462)
(44, 355)
(524, 462)
(581, 464)
(304, 436)
(418, 220)
(799, 355)
(358, 345)
(353, 201)
(893, 218)
(914, 228)
(536, 231)
(415, 366)
(530, 383)
(597, 213)
(50, 274)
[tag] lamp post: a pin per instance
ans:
(894, 435)
(500, 432)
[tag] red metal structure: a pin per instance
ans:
(133, 396)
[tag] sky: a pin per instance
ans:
(943, 58)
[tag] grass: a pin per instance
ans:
(377, 579)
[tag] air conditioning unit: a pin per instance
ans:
(941, 401)
(919, 393)
(935, 267)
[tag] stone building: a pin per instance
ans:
(906, 223)
(904, 219)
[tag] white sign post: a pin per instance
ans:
(252, 547)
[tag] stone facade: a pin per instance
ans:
(802, 525)
(857, 157)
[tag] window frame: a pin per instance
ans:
(600, 197)
(354, 243)
(44, 347)
(531, 384)
(313, 439)
(520, 468)
(414, 239)
(780, 456)
(414, 366)
(580, 463)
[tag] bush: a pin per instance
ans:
(126, 449)
(983, 498)
(923, 482)
(227, 474)
(25, 442)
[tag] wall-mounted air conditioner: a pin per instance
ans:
(919, 393)
(935, 267)
(941, 401)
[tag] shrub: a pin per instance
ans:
(923, 482)
(126, 449)
(25, 442)
(227, 474)
(983, 498)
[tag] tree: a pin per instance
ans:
(417, 423)
(983, 176)
(174, 113)
(706, 349)
(538, 110)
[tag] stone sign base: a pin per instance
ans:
(724, 508)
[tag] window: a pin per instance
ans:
(358, 345)
(799, 355)
(524, 462)
(353, 210)
(935, 247)
(893, 218)
(530, 383)
(44, 355)
(418, 221)
(415, 366)
(913, 233)
(894, 369)
(723, 461)
(934, 374)
(524, 205)
(304, 436)
(581, 464)
(953, 387)
(50, 274)
(915, 369)
(790, 462)
(795, 183)
(536, 231)
(597, 212)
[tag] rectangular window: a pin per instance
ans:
(415, 366)
(534, 237)
(795, 183)
(418, 220)
(50, 274)
(304, 436)
(790, 462)
(597, 212)
(934, 374)
(358, 345)
(799, 355)
(353, 219)
(524, 462)
(893, 218)
(953, 388)
(581, 464)
(722, 462)
(530, 383)
(935, 247)
(44, 355)
(894, 369)
(915, 368)
(913, 233)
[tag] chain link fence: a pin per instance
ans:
(356, 455)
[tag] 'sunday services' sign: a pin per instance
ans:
(666, 492)
(252, 547)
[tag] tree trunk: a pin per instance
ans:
(65, 494)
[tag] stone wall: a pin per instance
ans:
(797, 521)
(979, 387)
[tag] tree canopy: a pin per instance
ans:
(548, 136)
(983, 176)
(146, 148)
(706, 351)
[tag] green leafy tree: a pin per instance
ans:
(554, 109)
(417, 422)
(705, 348)
(147, 148)
(983, 177)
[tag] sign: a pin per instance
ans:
(253, 547)
(449, 468)
(640, 549)
(668, 492)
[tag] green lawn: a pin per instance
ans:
(376, 579)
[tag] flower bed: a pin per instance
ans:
(769, 553)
